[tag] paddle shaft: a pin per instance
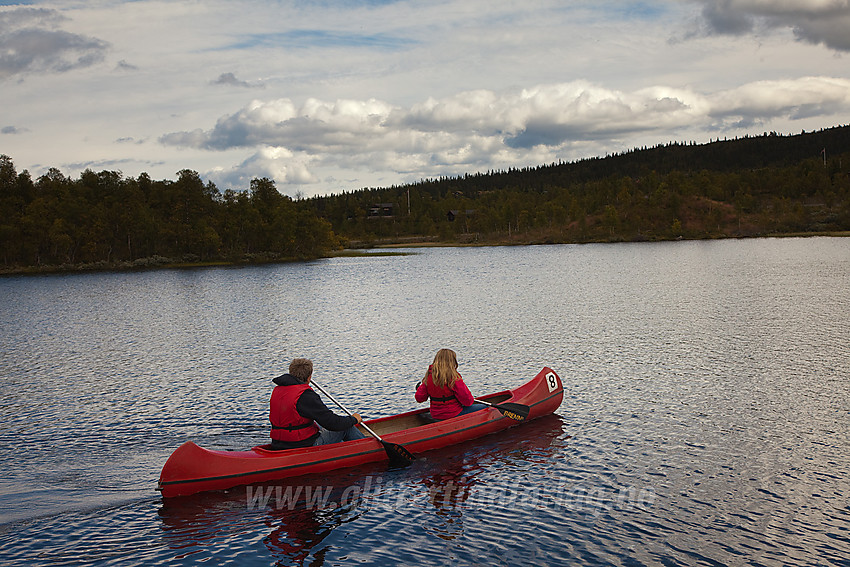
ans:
(397, 454)
(325, 392)
(485, 402)
(516, 412)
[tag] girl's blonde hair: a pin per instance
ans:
(444, 369)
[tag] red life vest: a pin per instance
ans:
(444, 403)
(287, 423)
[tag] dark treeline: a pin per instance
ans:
(744, 187)
(107, 220)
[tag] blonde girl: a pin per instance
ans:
(444, 386)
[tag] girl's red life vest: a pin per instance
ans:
(287, 423)
(444, 402)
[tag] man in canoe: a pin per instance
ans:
(300, 418)
(443, 384)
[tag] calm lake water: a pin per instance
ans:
(706, 416)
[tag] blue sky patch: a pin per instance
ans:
(308, 39)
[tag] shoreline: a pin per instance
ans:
(361, 249)
(426, 242)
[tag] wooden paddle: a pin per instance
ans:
(399, 456)
(517, 412)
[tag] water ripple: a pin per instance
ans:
(705, 417)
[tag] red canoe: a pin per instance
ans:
(192, 468)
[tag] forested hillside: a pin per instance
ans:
(760, 185)
(746, 187)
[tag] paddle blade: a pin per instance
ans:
(399, 456)
(517, 412)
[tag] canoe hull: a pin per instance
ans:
(191, 468)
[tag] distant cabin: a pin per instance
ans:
(454, 213)
(381, 210)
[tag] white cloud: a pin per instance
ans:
(476, 129)
(370, 93)
(794, 99)
(274, 163)
(312, 127)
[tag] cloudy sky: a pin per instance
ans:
(331, 96)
